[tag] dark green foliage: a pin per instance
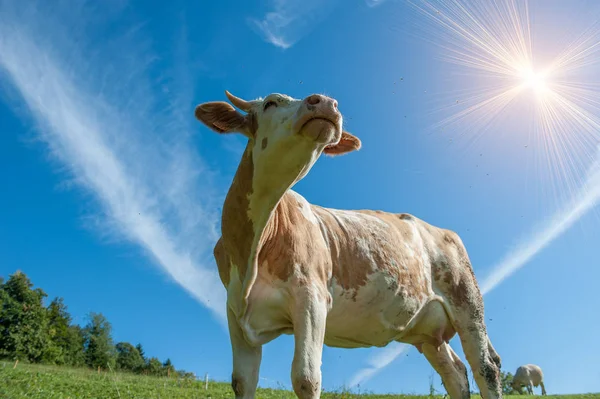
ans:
(168, 369)
(129, 358)
(75, 346)
(140, 350)
(99, 349)
(153, 367)
(65, 341)
(23, 320)
(33, 333)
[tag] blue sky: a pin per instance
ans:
(112, 190)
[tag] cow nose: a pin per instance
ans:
(318, 99)
(314, 99)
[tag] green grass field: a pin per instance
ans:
(48, 382)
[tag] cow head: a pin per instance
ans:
(286, 135)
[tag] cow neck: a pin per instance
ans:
(243, 236)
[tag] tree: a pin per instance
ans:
(99, 348)
(153, 366)
(59, 334)
(23, 319)
(168, 369)
(129, 358)
(140, 349)
(29, 331)
(506, 381)
(76, 346)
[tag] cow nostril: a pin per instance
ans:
(335, 104)
(313, 100)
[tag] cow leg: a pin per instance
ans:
(543, 388)
(310, 315)
(474, 339)
(530, 388)
(465, 305)
(450, 368)
(494, 354)
(246, 361)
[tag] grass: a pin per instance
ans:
(51, 382)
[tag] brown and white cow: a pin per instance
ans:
(529, 376)
(342, 278)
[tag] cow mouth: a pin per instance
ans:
(317, 118)
(321, 129)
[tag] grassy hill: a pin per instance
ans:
(49, 382)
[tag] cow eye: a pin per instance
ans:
(269, 104)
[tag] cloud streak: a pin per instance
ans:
(288, 21)
(377, 362)
(105, 120)
(585, 200)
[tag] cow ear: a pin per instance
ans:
(223, 118)
(347, 143)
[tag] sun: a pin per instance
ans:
(492, 43)
(534, 80)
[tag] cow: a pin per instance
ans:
(342, 278)
(530, 376)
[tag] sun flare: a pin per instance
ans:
(537, 81)
(492, 43)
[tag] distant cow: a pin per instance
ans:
(346, 279)
(530, 376)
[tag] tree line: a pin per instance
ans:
(32, 332)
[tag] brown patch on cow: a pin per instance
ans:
(222, 262)
(264, 143)
(454, 274)
(449, 237)
(348, 270)
(360, 249)
(236, 227)
(290, 239)
(405, 216)
(459, 293)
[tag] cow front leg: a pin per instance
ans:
(246, 361)
(543, 388)
(309, 317)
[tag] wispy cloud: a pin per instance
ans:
(377, 362)
(288, 21)
(119, 131)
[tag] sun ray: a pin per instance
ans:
(492, 42)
